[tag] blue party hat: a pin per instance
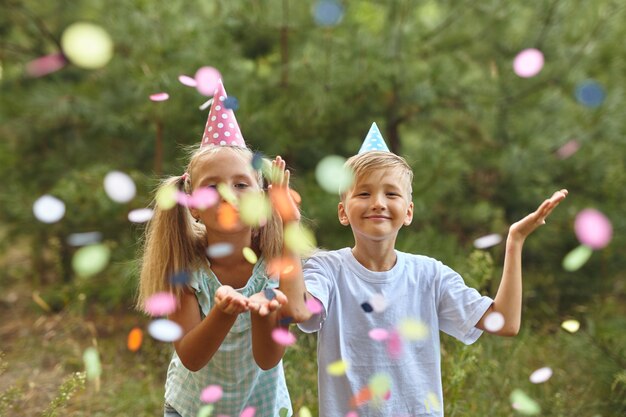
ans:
(374, 141)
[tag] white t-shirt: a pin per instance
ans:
(403, 370)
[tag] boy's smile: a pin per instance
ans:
(378, 205)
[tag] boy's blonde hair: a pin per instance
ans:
(175, 243)
(367, 162)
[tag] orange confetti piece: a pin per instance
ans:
(285, 204)
(281, 266)
(227, 216)
(361, 397)
(135, 337)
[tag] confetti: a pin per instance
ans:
(90, 260)
(119, 187)
(255, 209)
(283, 412)
(93, 367)
(211, 394)
(180, 278)
(327, 13)
(135, 338)
(379, 384)
(219, 250)
(165, 330)
(82, 239)
(231, 103)
(541, 375)
(248, 412)
(249, 255)
(332, 175)
(528, 63)
(576, 258)
(48, 209)
(45, 65)
(304, 412)
(206, 410)
(378, 334)
(494, 322)
(337, 368)
(187, 80)
(378, 303)
(313, 305)
(159, 97)
(283, 337)
(207, 79)
(203, 198)
(87, 45)
(590, 93)
(593, 228)
(568, 149)
(571, 326)
(432, 401)
(367, 307)
(412, 329)
(257, 161)
(161, 304)
(269, 293)
(299, 239)
(141, 215)
(361, 397)
(487, 241)
(166, 197)
(227, 216)
(523, 403)
(394, 345)
(227, 194)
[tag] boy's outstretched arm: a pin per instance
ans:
(508, 301)
(291, 279)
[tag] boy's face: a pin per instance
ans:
(378, 205)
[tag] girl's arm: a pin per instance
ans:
(202, 338)
(267, 353)
(508, 301)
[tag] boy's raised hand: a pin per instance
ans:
(524, 227)
(266, 301)
(230, 301)
(284, 200)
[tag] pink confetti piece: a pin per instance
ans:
(394, 345)
(207, 79)
(45, 65)
(161, 304)
(568, 149)
(314, 306)
(352, 414)
(248, 412)
(203, 198)
(187, 80)
(593, 228)
(378, 334)
(159, 97)
(528, 63)
(283, 337)
(211, 394)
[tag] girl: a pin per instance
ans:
(228, 308)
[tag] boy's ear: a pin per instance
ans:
(409, 214)
(341, 212)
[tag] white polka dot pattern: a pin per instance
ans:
(373, 141)
(221, 127)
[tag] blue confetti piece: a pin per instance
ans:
(590, 93)
(257, 161)
(269, 293)
(367, 307)
(231, 103)
(180, 278)
(328, 13)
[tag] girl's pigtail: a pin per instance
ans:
(172, 244)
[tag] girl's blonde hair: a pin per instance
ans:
(175, 243)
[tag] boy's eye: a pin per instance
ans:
(393, 194)
(363, 194)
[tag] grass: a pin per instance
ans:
(42, 364)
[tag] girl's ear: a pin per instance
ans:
(194, 212)
(409, 214)
(341, 212)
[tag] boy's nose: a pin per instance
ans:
(378, 203)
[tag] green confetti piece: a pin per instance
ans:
(379, 385)
(577, 258)
(332, 175)
(283, 412)
(304, 412)
(254, 209)
(299, 239)
(227, 194)
(166, 197)
(93, 368)
(205, 410)
(89, 260)
(412, 329)
(523, 403)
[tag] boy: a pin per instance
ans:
(369, 292)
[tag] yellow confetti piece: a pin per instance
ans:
(432, 401)
(254, 209)
(571, 326)
(299, 239)
(304, 412)
(412, 329)
(166, 197)
(89, 260)
(379, 385)
(227, 193)
(250, 255)
(337, 368)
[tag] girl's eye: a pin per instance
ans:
(214, 186)
(241, 185)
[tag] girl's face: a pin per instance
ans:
(234, 170)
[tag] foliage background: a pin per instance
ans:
(437, 78)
